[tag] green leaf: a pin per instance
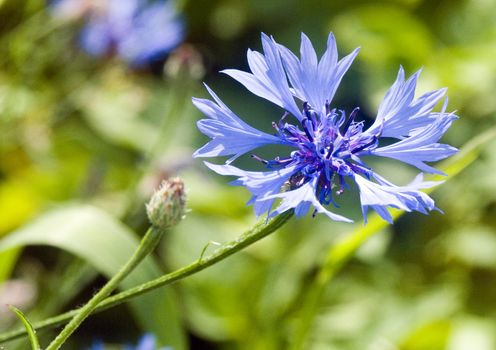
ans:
(33, 339)
(106, 244)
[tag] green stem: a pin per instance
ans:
(256, 233)
(148, 243)
(341, 252)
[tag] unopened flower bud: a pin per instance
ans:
(168, 204)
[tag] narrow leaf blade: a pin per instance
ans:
(33, 339)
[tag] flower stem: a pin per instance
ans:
(256, 233)
(148, 243)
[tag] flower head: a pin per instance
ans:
(137, 31)
(327, 143)
(167, 206)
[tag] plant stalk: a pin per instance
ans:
(148, 243)
(256, 233)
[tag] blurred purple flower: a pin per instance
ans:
(138, 31)
(327, 144)
(147, 342)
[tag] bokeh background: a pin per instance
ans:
(85, 139)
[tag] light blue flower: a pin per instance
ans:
(138, 31)
(327, 144)
(147, 342)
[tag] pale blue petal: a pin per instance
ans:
(379, 196)
(399, 114)
(95, 38)
(327, 63)
(301, 199)
(119, 11)
(277, 75)
(147, 342)
(382, 211)
(295, 75)
(155, 31)
(255, 85)
(309, 73)
(422, 146)
(269, 79)
(230, 135)
(423, 203)
(258, 66)
(228, 140)
(313, 81)
(343, 66)
(260, 184)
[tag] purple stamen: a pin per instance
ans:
(310, 114)
(329, 152)
(307, 129)
(362, 147)
(350, 120)
(327, 108)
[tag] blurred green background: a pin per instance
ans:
(83, 142)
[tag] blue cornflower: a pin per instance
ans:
(147, 342)
(327, 144)
(138, 31)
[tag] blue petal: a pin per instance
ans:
(268, 79)
(155, 31)
(121, 12)
(260, 184)
(301, 199)
(106, 28)
(147, 342)
(331, 82)
(230, 135)
(381, 195)
(312, 81)
(309, 68)
(119, 16)
(95, 38)
(399, 114)
(422, 146)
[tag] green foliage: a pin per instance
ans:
(75, 129)
(105, 244)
